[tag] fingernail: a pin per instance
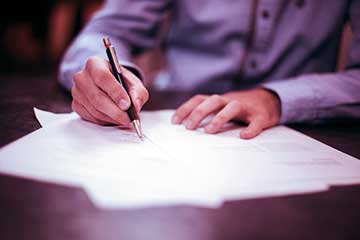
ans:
(175, 120)
(188, 124)
(124, 105)
(210, 128)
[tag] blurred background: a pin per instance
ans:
(34, 36)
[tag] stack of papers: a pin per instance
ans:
(173, 165)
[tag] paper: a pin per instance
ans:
(278, 156)
(174, 165)
(75, 152)
(47, 118)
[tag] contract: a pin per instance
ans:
(173, 165)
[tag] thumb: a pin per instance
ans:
(253, 129)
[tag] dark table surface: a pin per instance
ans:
(37, 210)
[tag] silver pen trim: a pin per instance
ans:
(137, 126)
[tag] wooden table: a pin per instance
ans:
(36, 210)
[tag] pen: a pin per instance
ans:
(117, 72)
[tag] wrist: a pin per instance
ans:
(272, 100)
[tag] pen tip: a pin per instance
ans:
(142, 137)
(137, 126)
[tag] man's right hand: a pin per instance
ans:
(98, 97)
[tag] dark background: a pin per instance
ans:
(35, 34)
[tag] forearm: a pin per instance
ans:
(315, 97)
(86, 45)
(128, 23)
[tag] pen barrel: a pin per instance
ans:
(120, 78)
(132, 113)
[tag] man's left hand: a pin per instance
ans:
(259, 108)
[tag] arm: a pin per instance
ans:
(311, 97)
(97, 96)
(316, 97)
(131, 25)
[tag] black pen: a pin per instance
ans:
(117, 72)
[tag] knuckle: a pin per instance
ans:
(199, 112)
(95, 68)
(235, 104)
(91, 62)
(216, 98)
(199, 97)
(78, 76)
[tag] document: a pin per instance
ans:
(279, 156)
(103, 160)
(174, 165)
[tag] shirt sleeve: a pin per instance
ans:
(316, 97)
(132, 27)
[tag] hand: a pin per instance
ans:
(260, 108)
(98, 97)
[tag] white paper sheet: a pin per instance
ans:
(47, 118)
(279, 156)
(75, 152)
(174, 165)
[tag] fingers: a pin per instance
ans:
(236, 110)
(254, 128)
(97, 102)
(100, 98)
(84, 114)
(98, 69)
(184, 110)
(232, 110)
(210, 105)
(86, 108)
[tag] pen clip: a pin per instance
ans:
(113, 55)
(116, 61)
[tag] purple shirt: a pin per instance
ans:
(215, 46)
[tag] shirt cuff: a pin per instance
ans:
(85, 47)
(134, 69)
(298, 101)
